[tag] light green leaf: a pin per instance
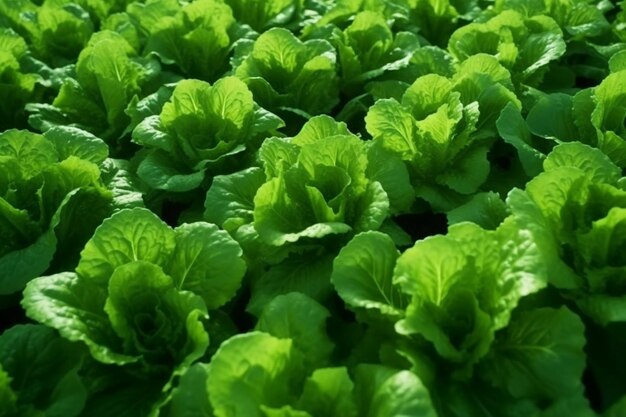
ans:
(250, 370)
(431, 268)
(207, 262)
(539, 354)
(386, 392)
(285, 411)
(328, 392)
(230, 201)
(618, 62)
(127, 236)
(298, 317)
(32, 152)
(528, 215)
(318, 128)
(278, 154)
(363, 274)
(590, 160)
(426, 95)
(76, 309)
(392, 125)
(70, 141)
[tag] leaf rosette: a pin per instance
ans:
(203, 128)
(317, 185)
(287, 76)
(442, 128)
(576, 210)
(524, 45)
(141, 291)
(52, 197)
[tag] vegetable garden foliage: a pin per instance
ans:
(292, 208)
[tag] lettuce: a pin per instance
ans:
(289, 76)
(443, 128)
(42, 370)
(56, 31)
(278, 381)
(198, 38)
(317, 185)
(51, 199)
(453, 306)
(525, 46)
(367, 49)
(108, 75)
(202, 128)
(262, 15)
(575, 212)
(141, 292)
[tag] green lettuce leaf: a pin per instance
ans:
(363, 274)
(539, 355)
(308, 331)
(250, 370)
(386, 392)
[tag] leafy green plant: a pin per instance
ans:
(288, 76)
(52, 197)
(141, 293)
(443, 128)
(109, 74)
(579, 230)
(202, 128)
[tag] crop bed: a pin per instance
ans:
(312, 208)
